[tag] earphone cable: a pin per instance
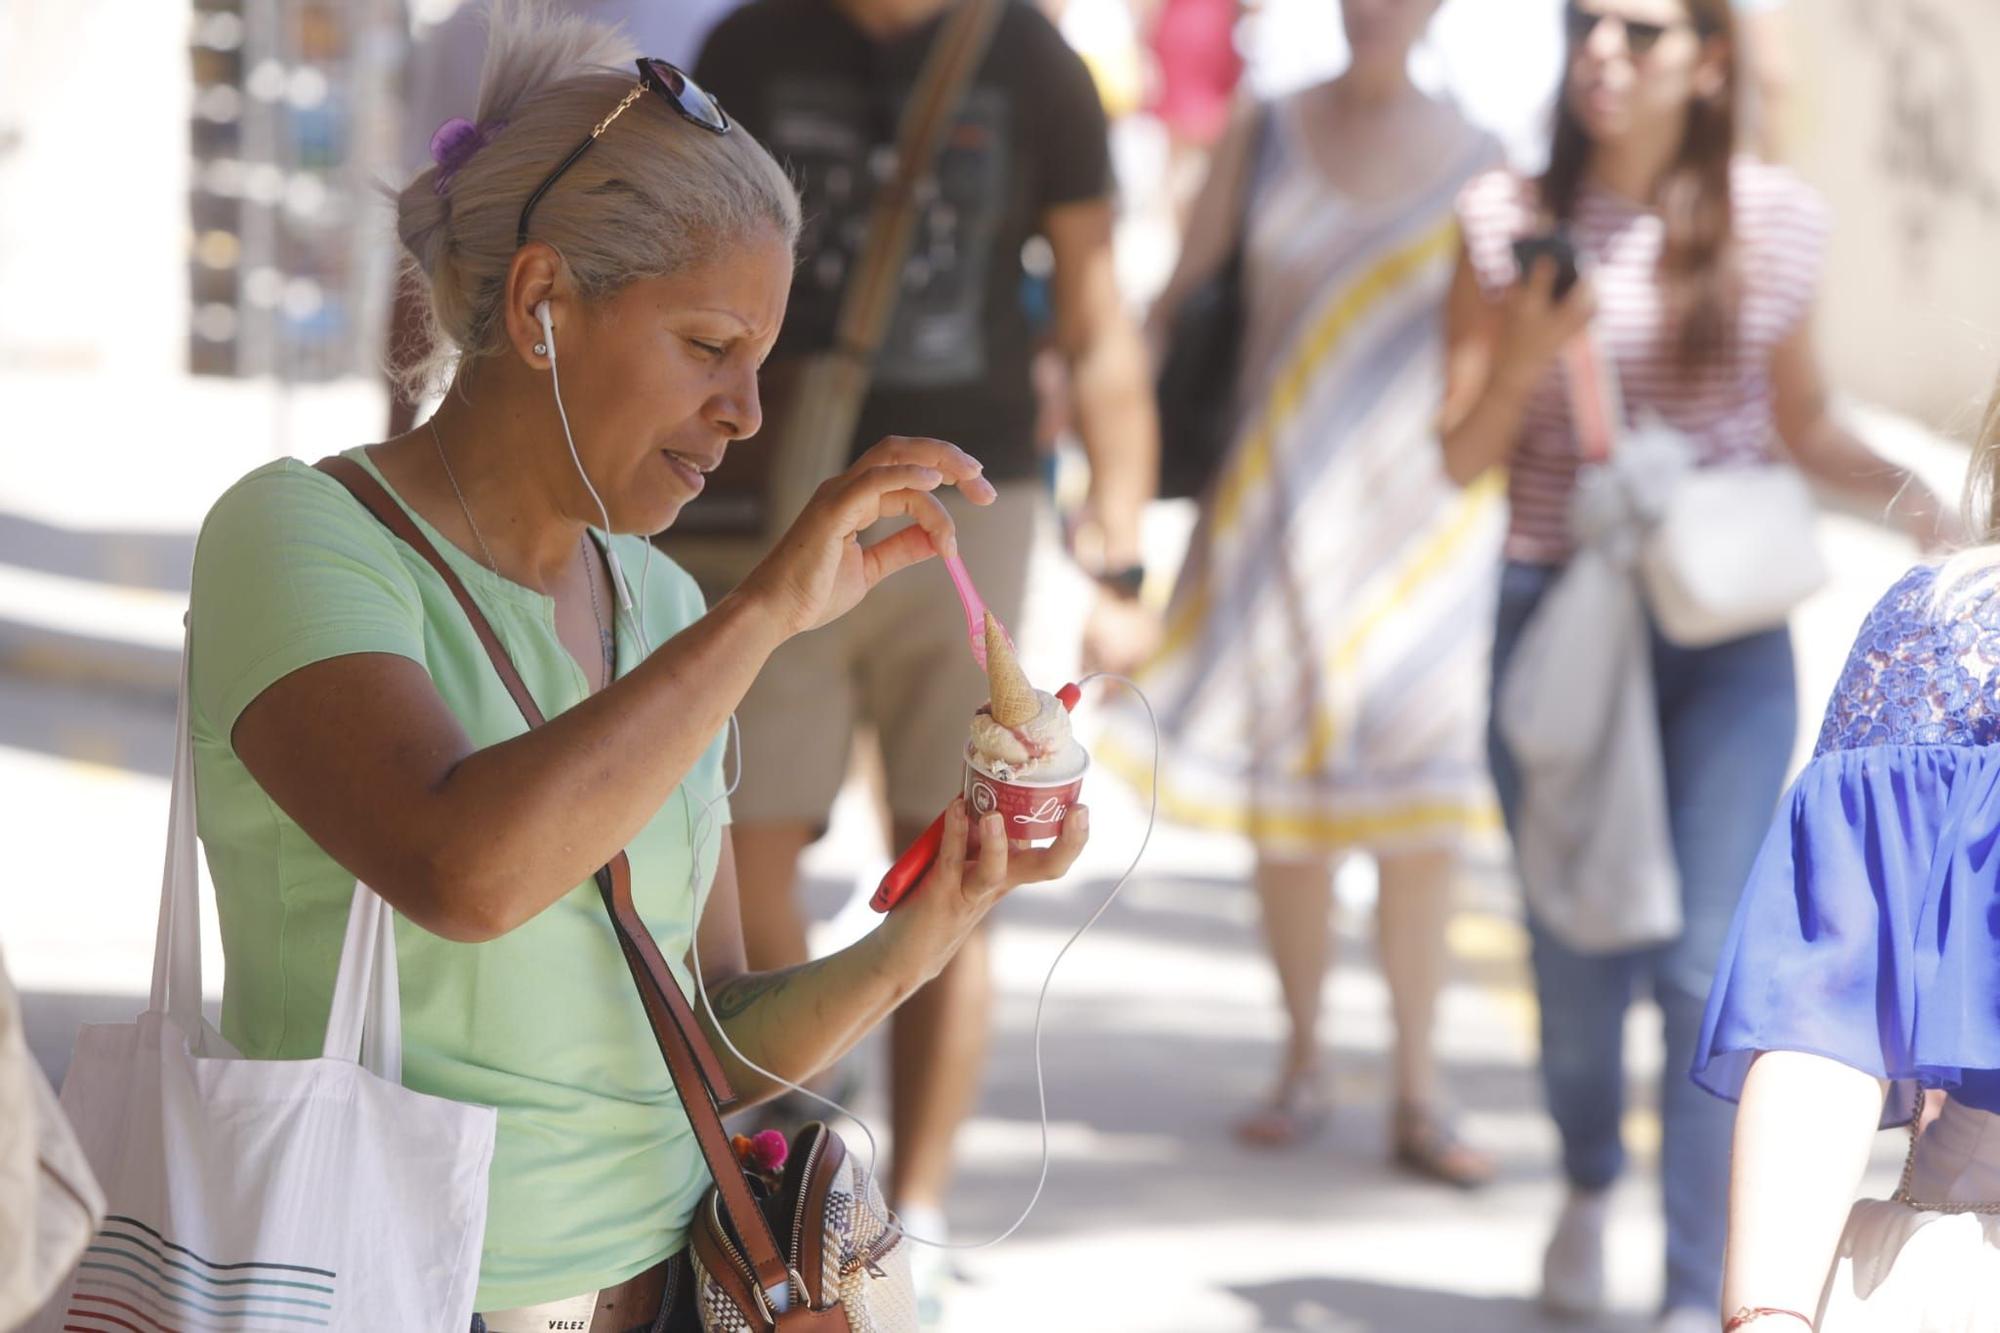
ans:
(704, 825)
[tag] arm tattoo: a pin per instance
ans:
(738, 995)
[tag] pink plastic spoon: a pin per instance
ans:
(975, 609)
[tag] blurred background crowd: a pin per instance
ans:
(198, 273)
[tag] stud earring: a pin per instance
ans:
(541, 349)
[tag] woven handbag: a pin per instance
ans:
(845, 1253)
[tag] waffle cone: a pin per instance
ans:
(1014, 701)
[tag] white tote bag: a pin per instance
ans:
(296, 1195)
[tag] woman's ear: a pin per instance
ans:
(537, 285)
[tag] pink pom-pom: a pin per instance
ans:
(769, 1150)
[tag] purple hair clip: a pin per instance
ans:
(453, 145)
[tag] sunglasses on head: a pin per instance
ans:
(683, 94)
(1641, 35)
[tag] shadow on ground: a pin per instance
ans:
(1332, 1305)
(83, 724)
(160, 561)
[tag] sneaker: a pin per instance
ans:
(1573, 1265)
(930, 1268)
(1689, 1319)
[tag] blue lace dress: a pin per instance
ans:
(1870, 929)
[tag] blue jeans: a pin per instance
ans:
(1728, 715)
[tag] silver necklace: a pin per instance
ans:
(463, 507)
(604, 638)
(605, 642)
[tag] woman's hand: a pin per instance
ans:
(1497, 352)
(798, 1020)
(958, 893)
(1536, 325)
(819, 570)
(1121, 635)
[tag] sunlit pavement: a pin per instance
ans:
(1161, 1027)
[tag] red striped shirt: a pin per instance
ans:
(1725, 408)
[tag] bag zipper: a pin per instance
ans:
(891, 1237)
(813, 1155)
(728, 1245)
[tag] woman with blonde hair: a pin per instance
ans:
(348, 723)
(1863, 972)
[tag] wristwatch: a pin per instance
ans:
(1124, 582)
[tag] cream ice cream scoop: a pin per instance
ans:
(1022, 732)
(1021, 765)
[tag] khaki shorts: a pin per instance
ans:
(898, 662)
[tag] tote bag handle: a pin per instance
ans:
(177, 945)
(365, 1024)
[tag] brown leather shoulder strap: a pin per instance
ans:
(683, 1045)
(817, 427)
(929, 116)
(375, 498)
(691, 1061)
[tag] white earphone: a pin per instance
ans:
(547, 347)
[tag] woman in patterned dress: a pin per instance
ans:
(1321, 692)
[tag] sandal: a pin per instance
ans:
(1298, 1112)
(1427, 1144)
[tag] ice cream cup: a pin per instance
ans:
(1033, 809)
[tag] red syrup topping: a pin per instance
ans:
(1036, 750)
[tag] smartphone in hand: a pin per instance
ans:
(1549, 245)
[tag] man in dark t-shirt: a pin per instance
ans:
(823, 83)
(817, 85)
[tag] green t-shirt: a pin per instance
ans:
(595, 1172)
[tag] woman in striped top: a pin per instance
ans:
(1701, 273)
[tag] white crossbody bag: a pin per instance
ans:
(1731, 550)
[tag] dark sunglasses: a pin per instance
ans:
(1641, 36)
(655, 76)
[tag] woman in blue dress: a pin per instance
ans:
(1863, 971)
